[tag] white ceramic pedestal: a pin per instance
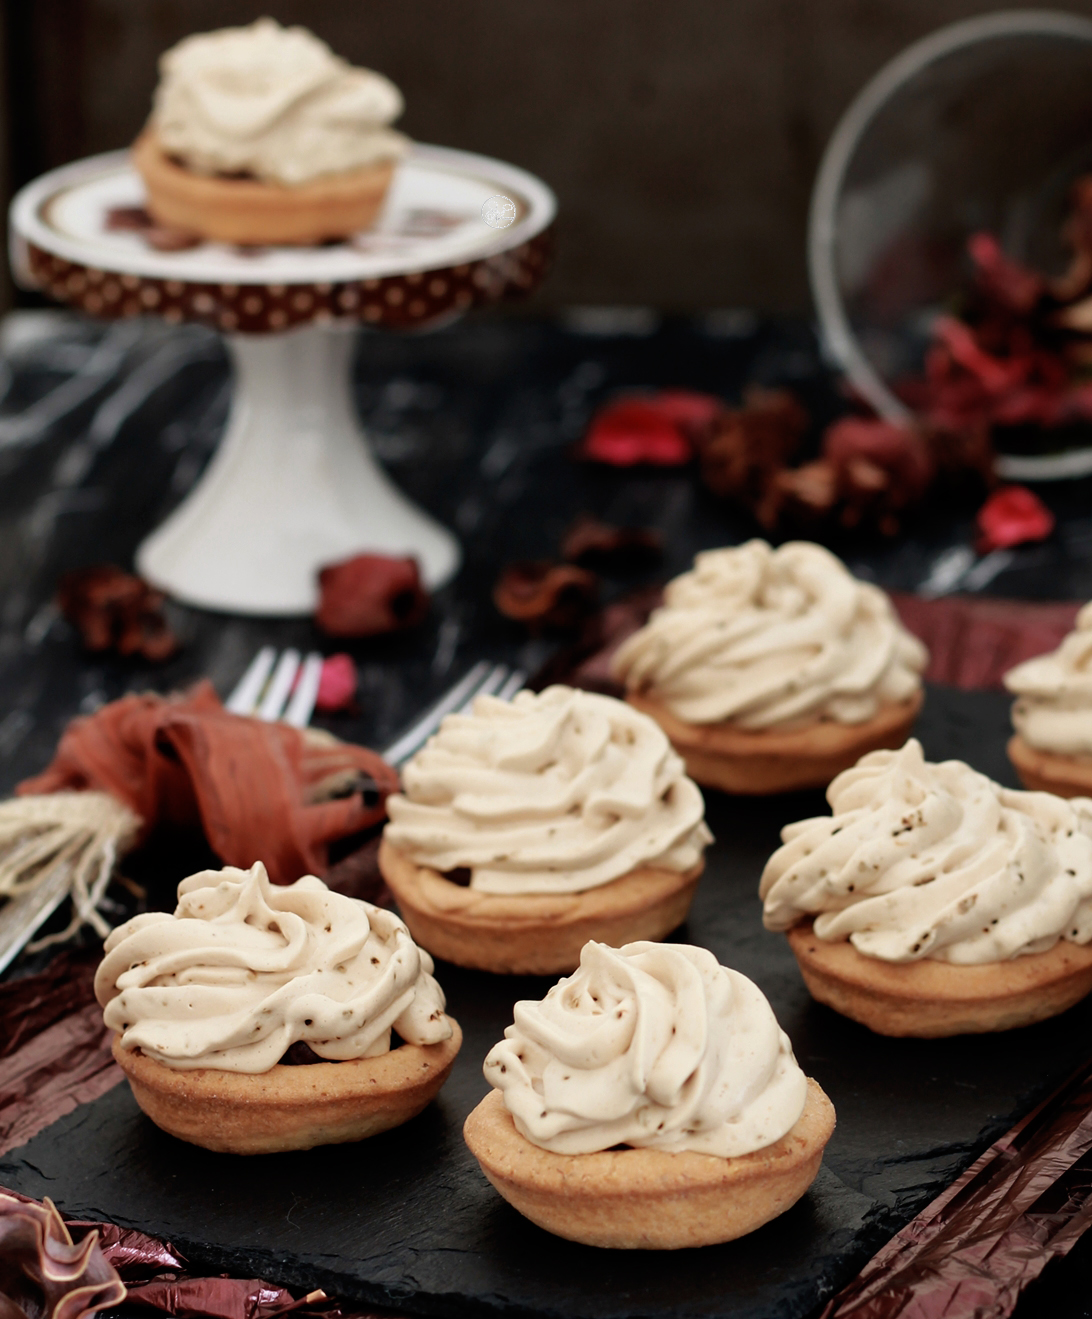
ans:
(293, 486)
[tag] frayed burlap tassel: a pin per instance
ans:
(81, 833)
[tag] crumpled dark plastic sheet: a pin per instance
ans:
(1024, 1202)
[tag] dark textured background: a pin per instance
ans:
(682, 138)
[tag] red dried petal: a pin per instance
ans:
(961, 344)
(113, 610)
(686, 407)
(1002, 279)
(337, 685)
(370, 594)
(875, 455)
(1012, 516)
(649, 429)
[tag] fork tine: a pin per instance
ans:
(280, 685)
(418, 733)
(493, 683)
(249, 687)
(513, 685)
(302, 704)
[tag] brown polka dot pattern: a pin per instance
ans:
(395, 302)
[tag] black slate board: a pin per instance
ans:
(406, 1219)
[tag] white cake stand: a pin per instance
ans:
(293, 484)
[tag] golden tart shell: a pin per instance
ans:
(289, 1108)
(763, 762)
(533, 934)
(930, 998)
(252, 212)
(649, 1199)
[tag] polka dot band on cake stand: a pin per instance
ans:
(293, 485)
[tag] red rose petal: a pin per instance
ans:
(653, 428)
(1012, 516)
(337, 685)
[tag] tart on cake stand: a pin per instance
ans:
(293, 485)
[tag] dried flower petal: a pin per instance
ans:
(113, 610)
(660, 428)
(1002, 279)
(337, 684)
(370, 594)
(1012, 516)
(43, 1273)
(881, 470)
(544, 594)
(803, 496)
(745, 446)
(600, 547)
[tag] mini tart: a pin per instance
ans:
(252, 212)
(533, 934)
(760, 763)
(289, 1108)
(930, 998)
(647, 1199)
(1050, 771)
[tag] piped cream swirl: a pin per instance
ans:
(935, 860)
(244, 968)
(1053, 707)
(769, 638)
(272, 102)
(557, 792)
(651, 1045)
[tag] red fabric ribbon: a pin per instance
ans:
(259, 790)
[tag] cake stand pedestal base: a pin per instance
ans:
(292, 487)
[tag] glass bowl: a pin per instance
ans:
(982, 125)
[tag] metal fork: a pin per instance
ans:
(484, 679)
(283, 688)
(264, 690)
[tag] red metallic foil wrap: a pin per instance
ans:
(54, 1048)
(1026, 1201)
(44, 1274)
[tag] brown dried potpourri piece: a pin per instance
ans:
(113, 610)
(601, 547)
(544, 594)
(44, 1274)
(803, 496)
(880, 471)
(370, 594)
(744, 447)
